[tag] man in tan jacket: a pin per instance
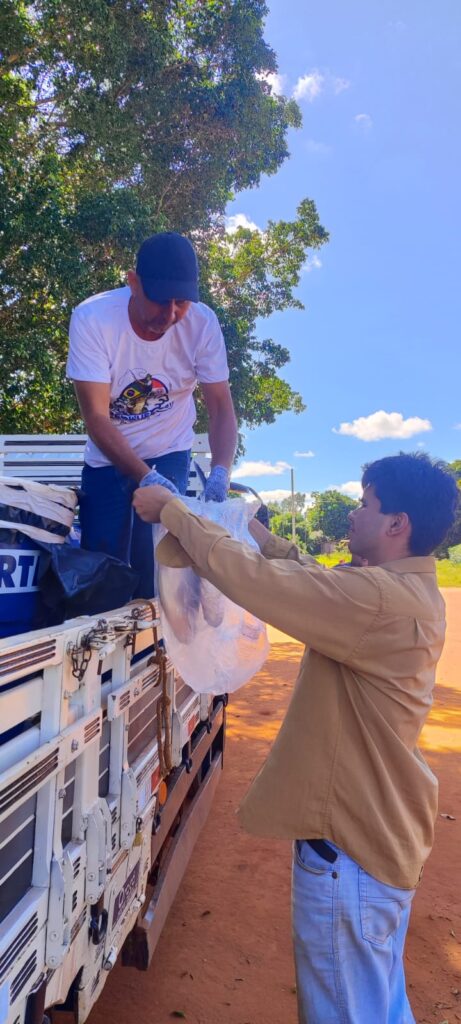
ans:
(344, 779)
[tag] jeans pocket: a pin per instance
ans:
(381, 908)
(309, 860)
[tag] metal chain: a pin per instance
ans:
(103, 633)
(80, 657)
(136, 617)
(165, 752)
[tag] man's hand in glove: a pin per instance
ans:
(217, 484)
(152, 478)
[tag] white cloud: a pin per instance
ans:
(277, 495)
(317, 148)
(383, 424)
(280, 494)
(353, 488)
(364, 121)
(312, 263)
(304, 455)
(239, 220)
(259, 468)
(309, 86)
(340, 84)
(276, 82)
(457, 426)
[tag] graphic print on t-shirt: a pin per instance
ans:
(141, 396)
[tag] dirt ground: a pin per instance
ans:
(225, 954)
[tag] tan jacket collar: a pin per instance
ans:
(415, 563)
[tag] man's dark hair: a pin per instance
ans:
(423, 488)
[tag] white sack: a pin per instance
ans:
(214, 645)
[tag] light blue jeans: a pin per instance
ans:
(348, 933)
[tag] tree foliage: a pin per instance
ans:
(281, 524)
(120, 118)
(329, 514)
(453, 536)
(252, 274)
(285, 504)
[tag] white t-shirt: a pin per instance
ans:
(152, 382)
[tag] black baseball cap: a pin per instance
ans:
(168, 268)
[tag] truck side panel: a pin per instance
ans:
(108, 766)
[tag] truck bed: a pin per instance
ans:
(108, 766)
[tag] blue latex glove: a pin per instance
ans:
(217, 484)
(153, 477)
(262, 516)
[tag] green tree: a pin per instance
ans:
(284, 505)
(454, 534)
(329, 514)
(455, 468)
(281, 524)
(120, 118)
(252, 274)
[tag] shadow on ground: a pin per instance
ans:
(225, 954)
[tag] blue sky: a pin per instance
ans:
(379, 85)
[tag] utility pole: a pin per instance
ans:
(293, 510)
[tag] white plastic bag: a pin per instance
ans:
(214, 645)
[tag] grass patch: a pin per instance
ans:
(334, 559)
(448, 573)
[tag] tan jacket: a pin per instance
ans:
(345, 765)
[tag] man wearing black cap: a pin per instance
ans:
(136, 355)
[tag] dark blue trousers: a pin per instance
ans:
(109, 522)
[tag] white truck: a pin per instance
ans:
(108, 767)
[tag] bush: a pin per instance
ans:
(454, 554)
(314, 543)
(448, 574)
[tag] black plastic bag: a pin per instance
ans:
(78, 582)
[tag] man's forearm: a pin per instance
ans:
(330, 611)
(222, 435)
(259, 533)
(115, 447)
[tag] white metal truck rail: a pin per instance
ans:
(99, 745)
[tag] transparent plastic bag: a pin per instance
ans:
(215, 646)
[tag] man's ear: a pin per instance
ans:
(133, 281)
(399, 524)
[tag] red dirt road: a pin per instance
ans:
(225, 953)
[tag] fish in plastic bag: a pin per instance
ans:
(215, 645)
(213, 604)
(181, 603)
